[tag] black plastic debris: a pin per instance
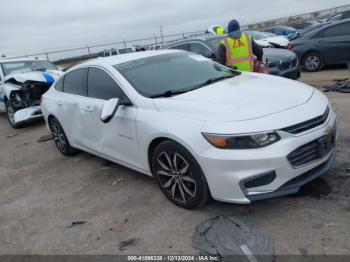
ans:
(76, 223)
(341, 86)
(12, 135)
(237, 238)
(45, 138)
(130, 242)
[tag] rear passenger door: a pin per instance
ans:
(334, 42)
(72, 89)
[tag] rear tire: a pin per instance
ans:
(61, 139)
(10, 112)
(313, 62)
(179, 176)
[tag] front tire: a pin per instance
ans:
(179, 176)
(10, 113)
(313, 62)
(61, 139)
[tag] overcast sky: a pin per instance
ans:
(38, 25)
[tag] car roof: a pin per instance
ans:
(204, 38)
(326, 25)
(114, 60)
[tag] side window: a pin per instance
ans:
(201, 50)
(185, 47)
(338, 30)
(59, 85)
(101, 85)
(336, 17)
(114, 53)
(75, 82)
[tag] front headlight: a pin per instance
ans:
(242, 141)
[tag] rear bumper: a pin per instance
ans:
(28, 114)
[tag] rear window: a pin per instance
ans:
(337, 30)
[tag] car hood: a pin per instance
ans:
(276, 54)
(244, 97)
(278, 40)
(49, 76)
(263, 43)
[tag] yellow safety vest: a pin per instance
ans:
(239, 53)
(220, 31)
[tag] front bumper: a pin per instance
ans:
(227, 170)
(293, 73)
(28, 114)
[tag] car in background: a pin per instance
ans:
(303, 25)
(198, 128)
(339, 16)
(309, 29)
(328, 45)
(281, 62)
(155, 47)
(266, 39)
(286, 31)
(22, 83)
(113, 52)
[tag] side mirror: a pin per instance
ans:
(109, 109)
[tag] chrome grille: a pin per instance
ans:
(307, 125)
(314, 150)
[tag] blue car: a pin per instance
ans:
(289, 32)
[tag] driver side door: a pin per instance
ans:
(116, 139)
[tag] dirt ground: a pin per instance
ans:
(42, 193)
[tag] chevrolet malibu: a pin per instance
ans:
(200, 129)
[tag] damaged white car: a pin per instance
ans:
(22, 83)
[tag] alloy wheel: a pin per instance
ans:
(11, 114)
(59, 136)
(175, 177)
(312, 62)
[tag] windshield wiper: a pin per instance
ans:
(211, 81)
(169, 93)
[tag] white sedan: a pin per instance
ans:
(199, 128)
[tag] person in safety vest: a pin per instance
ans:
(220, 30)
(216, 30)
(238, 50)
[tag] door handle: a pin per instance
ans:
(59, 102)
(88, 108)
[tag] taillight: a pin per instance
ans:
(291, 46)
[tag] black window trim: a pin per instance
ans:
(87, 75)
(114, 78)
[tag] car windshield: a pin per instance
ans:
(26, 66)
(172, 73)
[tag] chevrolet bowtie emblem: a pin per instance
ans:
(328, 130)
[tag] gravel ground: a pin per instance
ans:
(42, 193)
